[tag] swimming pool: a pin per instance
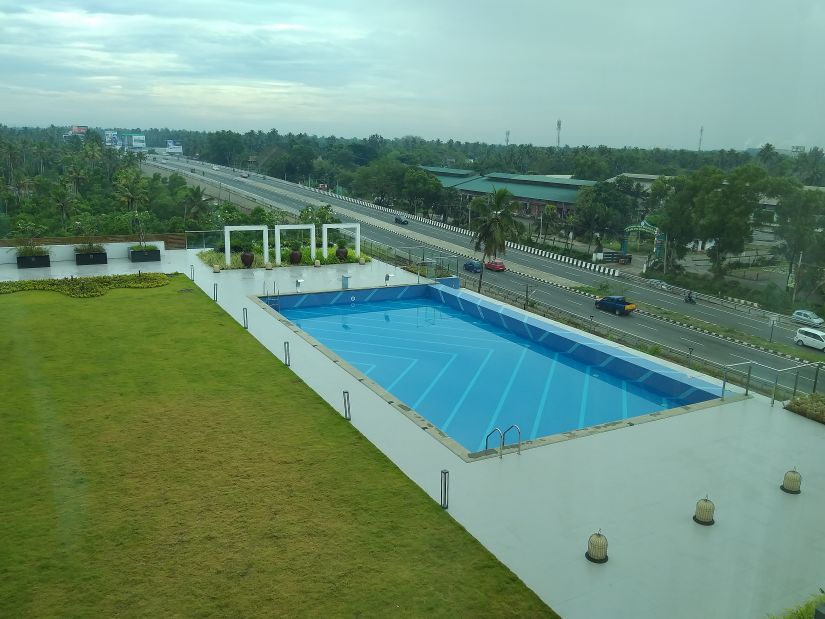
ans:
(469, 365)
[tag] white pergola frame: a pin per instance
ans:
(226, 234)
(310, 227)
(356, 227)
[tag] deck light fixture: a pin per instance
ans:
(792, 482)
(597, 548)
(704, 512)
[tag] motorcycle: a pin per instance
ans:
(690, 299)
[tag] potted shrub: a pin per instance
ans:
(295, 255)
(341, 252)
(29, 254)
(143, 252)
(247, 258)
(88, 252)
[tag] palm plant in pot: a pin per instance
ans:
(295, 254)
(247, 258)
(341, 252)
(88, 252)
(29, 254)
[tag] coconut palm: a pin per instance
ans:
(494, 227)
(193, 203)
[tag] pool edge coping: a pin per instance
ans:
(453, 445)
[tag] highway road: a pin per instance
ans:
(379, 227)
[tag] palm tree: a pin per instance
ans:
(193, 203)
(494, 227)
(64, 200)
(130, 188)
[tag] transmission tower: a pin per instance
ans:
(701, 133)
(558, 133)
(507, 138)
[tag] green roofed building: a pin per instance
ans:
(533, 191)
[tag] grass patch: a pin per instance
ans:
(84, 287)
(803, 611)
(182, 470)
(787, 349)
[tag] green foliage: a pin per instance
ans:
(32, 250)
(211, 257)
(811, 406)
(84, 287)
(89, 248)
(143, 247)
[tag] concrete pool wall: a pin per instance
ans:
(691, 392)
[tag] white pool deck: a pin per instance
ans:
(639, 485)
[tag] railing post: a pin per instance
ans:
(445, 488)
(795, 383)
(724, 381)
(775, 383)
(286, 353)
(816, 377)
(347, 413)
(245, 319)
(690, 357)
(192, 272)
(215, 292)
(748, 382)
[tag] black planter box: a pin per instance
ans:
(33, 262)
(144, 255)
(97, 257)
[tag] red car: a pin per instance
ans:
(496, 264)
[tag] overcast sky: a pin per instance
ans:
(636, 73)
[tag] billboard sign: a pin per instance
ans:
(138, 141)
(79, 129)
(173, 147)
(110, 139)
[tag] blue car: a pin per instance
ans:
(473, 266)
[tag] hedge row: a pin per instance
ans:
(84, 287)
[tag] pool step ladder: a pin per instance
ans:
(501, 437)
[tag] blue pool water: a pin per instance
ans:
(467, 375)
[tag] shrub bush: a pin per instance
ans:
(811, 406)
(85, 287)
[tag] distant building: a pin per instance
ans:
(532, 191)
(76, 130)
(134, 141)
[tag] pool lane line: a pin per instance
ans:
(585, 394)
(534, 431)
(624, 399)
(467, 390)
(402, 375)
(504, 394)
(438, 376)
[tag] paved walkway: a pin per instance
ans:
(639, 485)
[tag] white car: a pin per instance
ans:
(658, 283)
(810, 337)
(807, 318)
(214, 167)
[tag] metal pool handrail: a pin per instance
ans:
(517, 429)
(500, 441)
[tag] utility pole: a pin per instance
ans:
(701, 132)
(558, 133)
(507, 138)
(796, 279)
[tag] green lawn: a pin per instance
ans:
(155, 460)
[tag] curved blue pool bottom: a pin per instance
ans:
(468, 376)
